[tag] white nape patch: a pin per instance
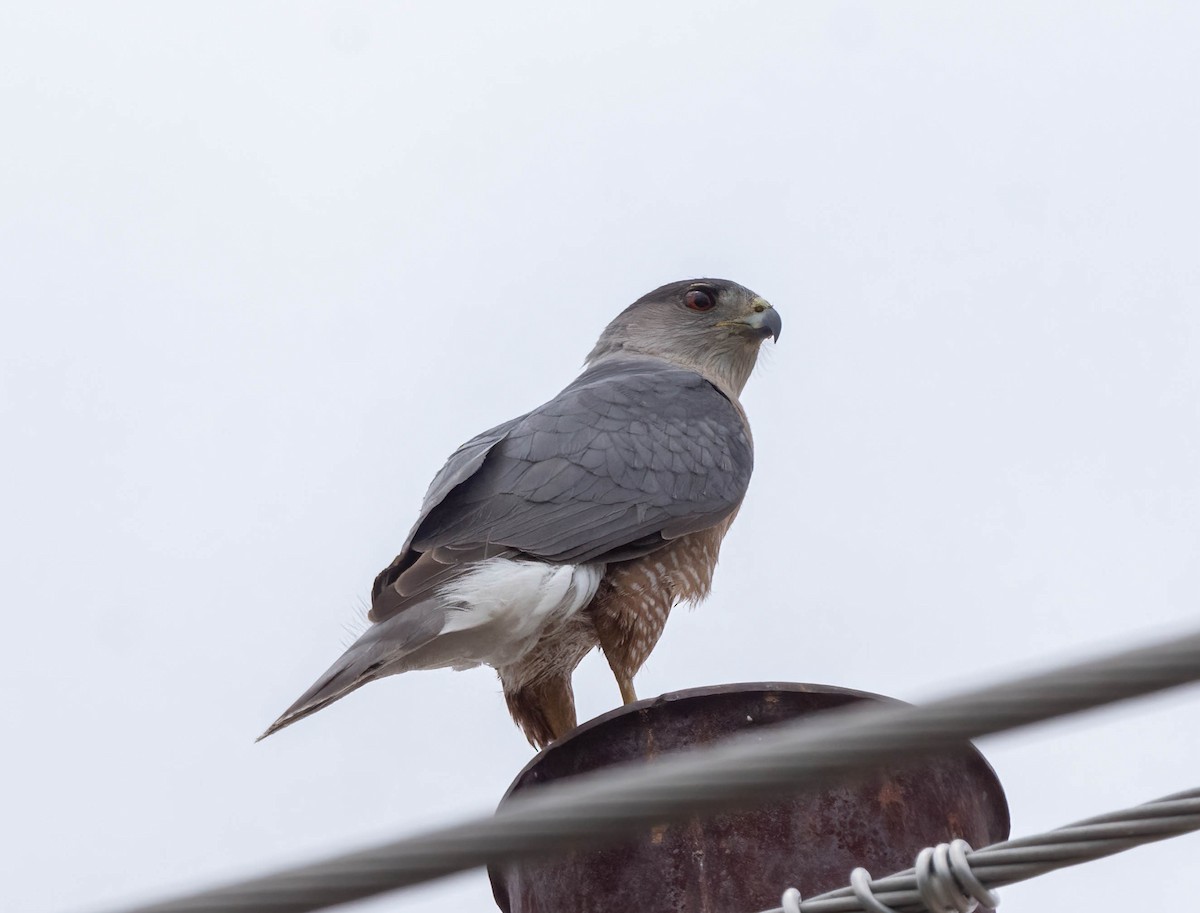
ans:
(509, 603)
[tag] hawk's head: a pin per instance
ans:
(711, 325)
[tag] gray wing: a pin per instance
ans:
(630, 455)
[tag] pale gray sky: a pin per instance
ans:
(265, 264)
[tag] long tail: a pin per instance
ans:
(377, 653)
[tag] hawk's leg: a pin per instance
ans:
(612, 630)
(615, 646)
(629, 611)
(538, 686)
(624, 682)
(544, 709)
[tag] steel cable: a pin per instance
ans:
(741, 771)
(1019, 860)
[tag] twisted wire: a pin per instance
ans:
(1017, 860)
(742, 771)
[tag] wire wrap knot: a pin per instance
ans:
(791, 901)
(944, 880)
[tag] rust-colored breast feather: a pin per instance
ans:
(635, 597)
(625, 619)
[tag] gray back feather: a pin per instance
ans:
(633, 453)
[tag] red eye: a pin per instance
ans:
(699, 300)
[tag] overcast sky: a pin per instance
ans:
(264, 265)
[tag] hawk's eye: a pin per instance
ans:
(699, 300)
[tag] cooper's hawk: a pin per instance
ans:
(581, 523)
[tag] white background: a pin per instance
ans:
(264, 265)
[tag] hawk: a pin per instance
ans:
(579, 524)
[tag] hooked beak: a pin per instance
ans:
(764, 322)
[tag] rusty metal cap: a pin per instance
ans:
(743, 861)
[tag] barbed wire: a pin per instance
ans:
(1027, 857)
(741, 771)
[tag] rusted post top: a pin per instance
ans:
(739, 863)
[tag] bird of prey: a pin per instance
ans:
(579, 524)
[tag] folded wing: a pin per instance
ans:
(632, 454)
